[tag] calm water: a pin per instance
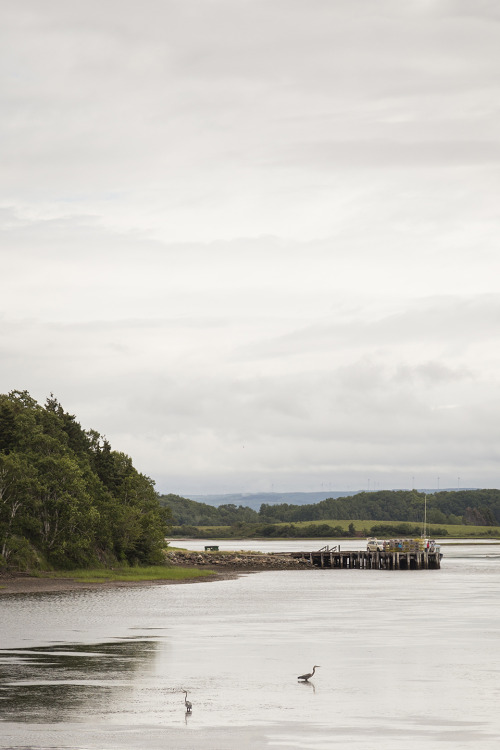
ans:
(408, 658)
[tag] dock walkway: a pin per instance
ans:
(365, 560)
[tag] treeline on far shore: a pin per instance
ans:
(384, 529)
(290, 531)
(460, 508)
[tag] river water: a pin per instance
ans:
(408, 658)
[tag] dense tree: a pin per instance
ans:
(186, 511)
(18, 506)
(7, 425)
(66, 497)
(403, 505)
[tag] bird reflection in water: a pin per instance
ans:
(309, 685)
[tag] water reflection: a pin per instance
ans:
(309, 685)
(54, 684)
(409, 659)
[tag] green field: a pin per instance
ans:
(457, 531)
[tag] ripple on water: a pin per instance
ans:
(407, 658)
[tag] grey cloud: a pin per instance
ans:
(100, 97)
(256, 242)
(449, 321)
(206, 421)
(435, 373)
(375, 154)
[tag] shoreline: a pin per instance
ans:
(26, 584)
(225, 566)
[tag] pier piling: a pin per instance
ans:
(366, 560)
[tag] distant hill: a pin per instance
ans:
(470, 507)
(255, 500)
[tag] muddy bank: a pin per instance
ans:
(26, 584)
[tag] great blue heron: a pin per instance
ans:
(306, 677)
(188, 704)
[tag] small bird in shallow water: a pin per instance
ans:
(305, 677)
(188, 704)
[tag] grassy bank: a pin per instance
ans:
(124, 573)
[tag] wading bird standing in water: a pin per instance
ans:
(305, 677)
(188, 704)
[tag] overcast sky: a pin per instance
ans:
(255, 242)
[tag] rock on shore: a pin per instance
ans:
(235, 560)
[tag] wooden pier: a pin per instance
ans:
(365, 560)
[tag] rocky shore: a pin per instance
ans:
(235, 560)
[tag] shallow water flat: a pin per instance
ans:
(407, 658)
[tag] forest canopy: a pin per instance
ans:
(66, 498)
(469, 507)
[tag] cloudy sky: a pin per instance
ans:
(255, 242)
